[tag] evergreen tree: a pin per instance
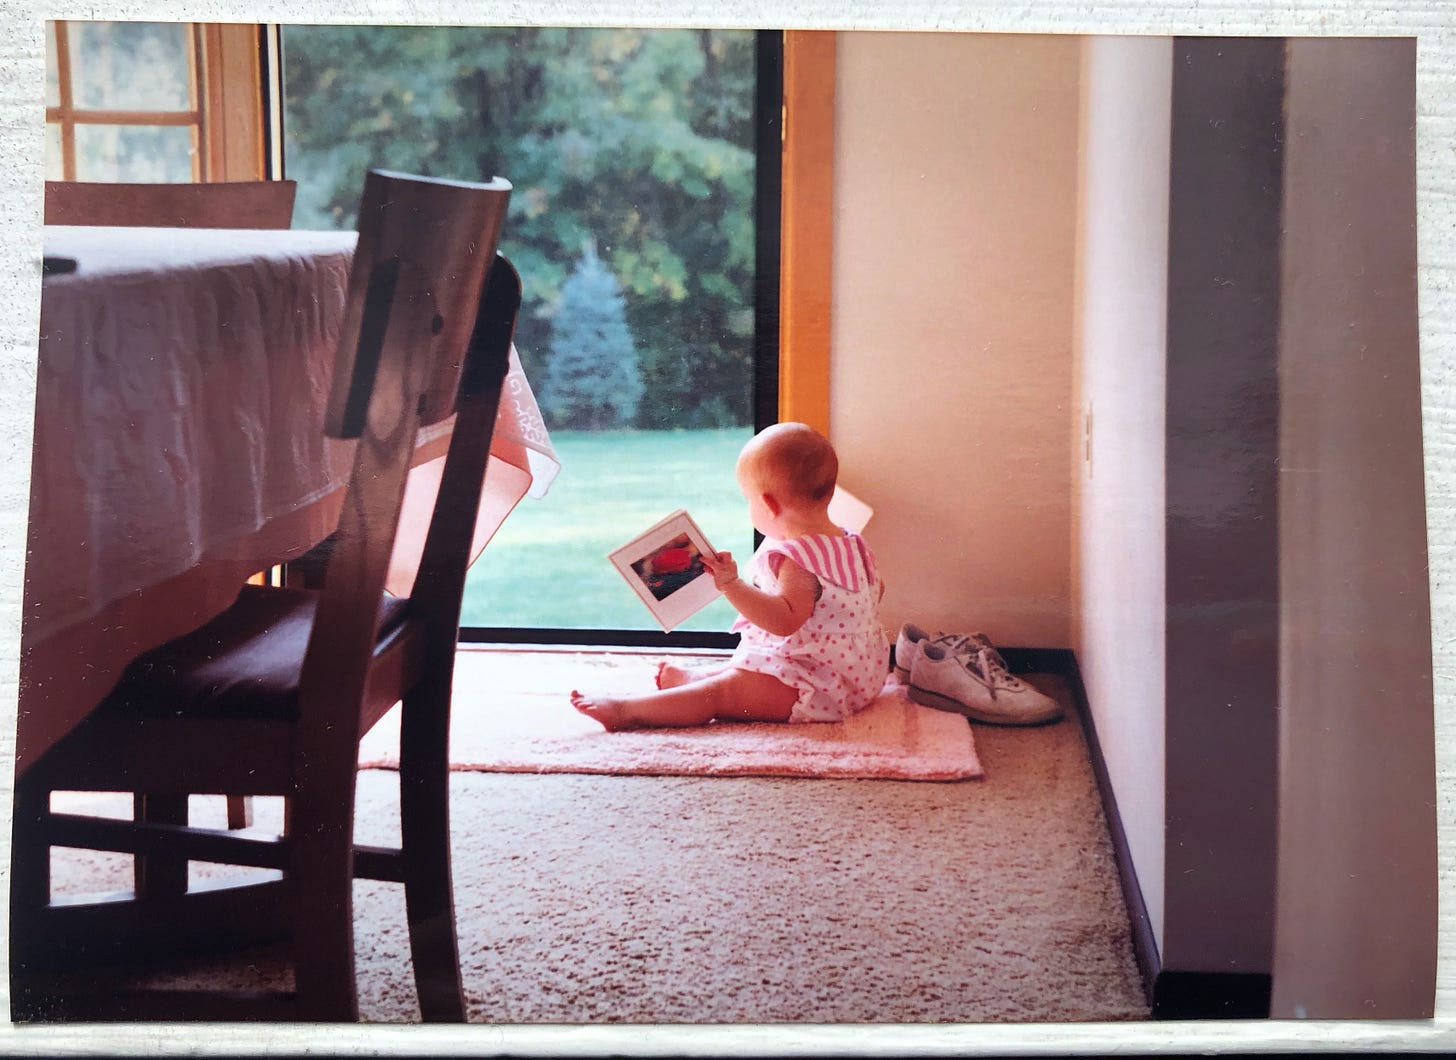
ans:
(592, 381)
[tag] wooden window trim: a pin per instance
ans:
(807, 232)
(227, 103)
(232, 73)
(123, 117)
(67, 100)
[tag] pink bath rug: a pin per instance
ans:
(513, 730)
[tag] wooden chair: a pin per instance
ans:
(235, 204)
(272, 697)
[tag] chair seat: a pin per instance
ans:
(245, 663)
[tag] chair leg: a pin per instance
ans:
(30, 872)
(424, 795)
(30, 861)
(322, 878)
(158, 875)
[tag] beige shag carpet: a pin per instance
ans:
(636, 899)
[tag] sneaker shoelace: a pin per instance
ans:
(979, 656)
(969, 646)
(993, 669)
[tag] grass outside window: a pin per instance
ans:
(547, 566)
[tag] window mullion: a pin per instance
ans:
(66, 121)
(135, 117)
(200, 166)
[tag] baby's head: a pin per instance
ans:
(789, 466)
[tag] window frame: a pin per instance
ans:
(225, 85)
(807, 227)
(68, 116)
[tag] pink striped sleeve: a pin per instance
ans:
(831, 557)
(834, 561)
(795, 551)
(849, 577)
(817, 556)
(787, 550)
(833, 565)
(869, 559)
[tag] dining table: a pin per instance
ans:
(182, 377)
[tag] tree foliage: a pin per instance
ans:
(638, 141)
(592, 381)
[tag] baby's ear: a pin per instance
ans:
(772, 504)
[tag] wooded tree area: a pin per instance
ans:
(636, 142)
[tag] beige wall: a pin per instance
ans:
(955, 214)
(1118, 620)
(975, 319)
(1355, 927)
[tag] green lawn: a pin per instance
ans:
(548, 566)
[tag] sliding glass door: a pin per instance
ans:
(644, 223)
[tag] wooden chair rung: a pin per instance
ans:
(141, 837)
(379, 863)
(96, 930)
(156, 1006)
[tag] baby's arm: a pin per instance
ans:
(780, 613)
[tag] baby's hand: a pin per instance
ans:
(723, 569)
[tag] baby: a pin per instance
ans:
(812, 647)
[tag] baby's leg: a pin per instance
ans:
(732, 695)
(670, 675)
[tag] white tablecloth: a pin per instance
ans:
(180, 388)
(177, 389)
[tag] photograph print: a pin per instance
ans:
(673, 566)
(664, 566)
(1126, 351)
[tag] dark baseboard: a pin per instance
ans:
(1211, 996)
(1171, 994)
(1063, 662)
(1059, 661)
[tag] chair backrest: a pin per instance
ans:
(444, 234)
(234, 204)
(440, 578)
(411, 323)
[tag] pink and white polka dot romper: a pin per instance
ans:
(838, 659)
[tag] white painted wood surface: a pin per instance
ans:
(1431, 21)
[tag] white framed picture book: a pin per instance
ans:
(664, 566)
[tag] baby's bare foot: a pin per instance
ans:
(610, 714)
(670, 676)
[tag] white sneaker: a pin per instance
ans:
(977, 686)
(1029, 705)
(907, 648)
(912, 639)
